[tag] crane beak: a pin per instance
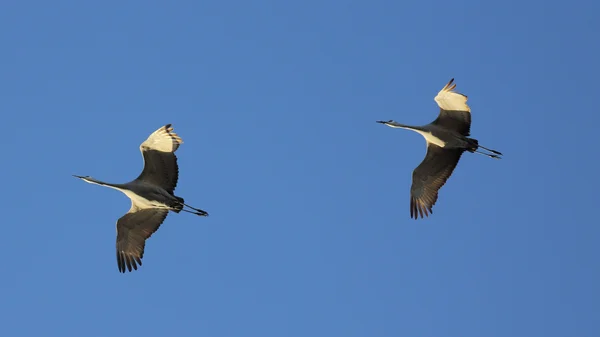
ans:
(80, 177)
(385, 122)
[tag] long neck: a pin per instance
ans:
(102, 183)
(404, 126)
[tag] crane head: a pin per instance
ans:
(393, 124)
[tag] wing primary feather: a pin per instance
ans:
(133, 229)
(430, 176)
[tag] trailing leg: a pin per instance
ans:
(487, 154)
(474, 143)
(493, 151)
(197, 211)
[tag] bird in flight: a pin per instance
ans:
(151, 197)
(447, 138)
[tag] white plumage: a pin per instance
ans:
(151, 197)
(447, 138)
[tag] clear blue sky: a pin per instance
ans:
(309, 233)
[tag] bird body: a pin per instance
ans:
(436, 135)
(141, 193)
(152, 197)
(447, 138)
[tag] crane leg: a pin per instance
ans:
(180, 204)
(495, 156)
(492, 151)
(198, 212)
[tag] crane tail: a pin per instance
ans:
(177, 206)
(474, 144)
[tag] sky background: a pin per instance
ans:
(309, 232)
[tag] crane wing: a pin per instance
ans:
(430, 176)
(160, 162)
(132, 231)
(455, 114)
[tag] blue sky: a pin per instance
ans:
(309, 231)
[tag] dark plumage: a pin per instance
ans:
(151, 195)
(447, 138)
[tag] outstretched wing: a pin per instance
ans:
(430, 176)
(132, 231)
(160, 162)
(455, 114)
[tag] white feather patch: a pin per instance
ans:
(448, 99)
(163, 139)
